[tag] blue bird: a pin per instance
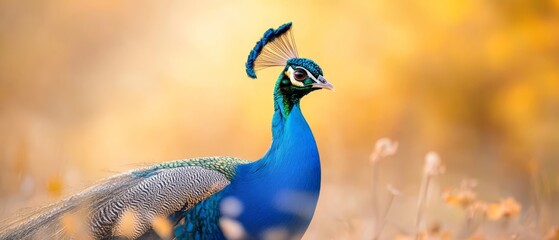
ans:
(211, 197)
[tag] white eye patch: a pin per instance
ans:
(297, 83)
(292, 78)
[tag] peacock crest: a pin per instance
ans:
(275, 48)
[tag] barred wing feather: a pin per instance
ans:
(143, 196)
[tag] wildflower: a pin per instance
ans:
(383, 148)
(461, 197)
(432, 168)
(435, 232)
(507, 208)
(433, 165)
(434, 228)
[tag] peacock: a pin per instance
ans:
(210, 197)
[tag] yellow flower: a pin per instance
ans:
(459, 197)
(511, 208)
(463, 196)
(494, 211)
(506, 208)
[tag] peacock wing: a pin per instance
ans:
(160, 194)
(127, 204)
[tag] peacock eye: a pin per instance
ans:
(299, 75)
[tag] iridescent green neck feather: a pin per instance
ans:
(284, 98)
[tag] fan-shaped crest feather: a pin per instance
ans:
(275, 48)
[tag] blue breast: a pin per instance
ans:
(277, 194)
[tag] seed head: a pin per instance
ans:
(433, 165)
(383, 148)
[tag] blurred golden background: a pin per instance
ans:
(91, 88)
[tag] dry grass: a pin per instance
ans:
(472, 216)
(480, 219)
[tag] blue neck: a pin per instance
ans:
(281, 189)
(282, 108)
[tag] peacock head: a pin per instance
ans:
(277, 48)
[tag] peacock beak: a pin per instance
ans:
(322, 83)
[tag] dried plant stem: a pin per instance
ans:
(384, 147)
(471, 224)
(542, 193)
(465, 231)
(421, 202)
(375, 201)
(505, 226)
(433, 167)
(384, 215)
